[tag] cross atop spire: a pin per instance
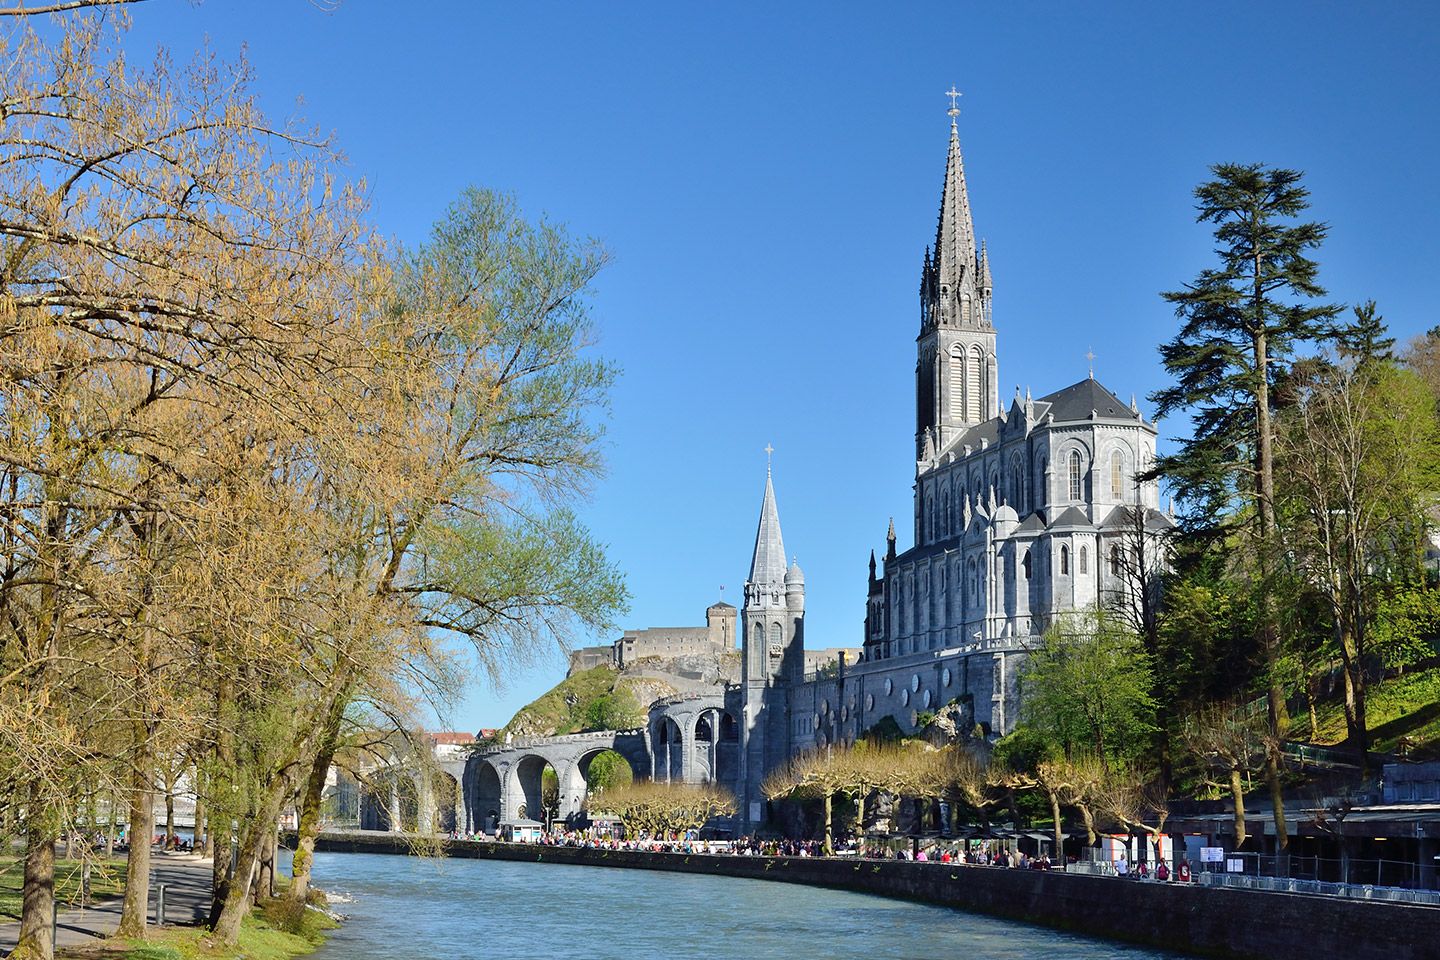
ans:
(1090, 355)
(768, 450)
(954, 110)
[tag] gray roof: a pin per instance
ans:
(1072, 517)
(1076, 401)
(1035, 523)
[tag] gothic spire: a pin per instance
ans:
(955, 239)
(768, 565)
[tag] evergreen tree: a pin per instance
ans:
(1240, 325)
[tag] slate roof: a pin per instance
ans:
(1077, 400)
(1072, 517)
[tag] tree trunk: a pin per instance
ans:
(169, 816)
(38, 905)
(1237, 790)
(219, 870)
(265, 822)
(199, 842)
(142, 831)
(308, 829)
(829, 849)
(1059, 832)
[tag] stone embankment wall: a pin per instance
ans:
(1205, 921)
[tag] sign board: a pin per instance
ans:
(1212, 854)
(754, 811)
(1235, 865)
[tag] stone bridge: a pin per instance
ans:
(503, 782)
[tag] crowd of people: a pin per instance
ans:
(984, 854)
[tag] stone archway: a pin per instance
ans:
(528, 777)
(488, 798)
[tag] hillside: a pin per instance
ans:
(1407, 706)
(597, 699)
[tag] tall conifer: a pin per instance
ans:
(1240, 324)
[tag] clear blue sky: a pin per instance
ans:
(768, 176)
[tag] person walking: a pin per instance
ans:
(1122, 869)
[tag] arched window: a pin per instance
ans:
(1025, 563)
(1115, 560)
(1117, 476)
(777, 635)
(930, 517)
(1064, 561)
(945, 512)
(1074, 474)
(1017, 484)
(1043, 476)
(1084, 564)
(974, 583)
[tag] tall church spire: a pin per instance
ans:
(955, 256)
(956, 371)
(767, 567)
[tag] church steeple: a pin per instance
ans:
(955, 257)
(767, 565)
(956, 371)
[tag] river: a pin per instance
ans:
(402, 908)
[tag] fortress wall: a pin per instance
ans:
(1213, 922)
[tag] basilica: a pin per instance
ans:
(1020, 514)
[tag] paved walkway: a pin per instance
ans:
(187, 898)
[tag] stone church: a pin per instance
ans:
(1019, 514)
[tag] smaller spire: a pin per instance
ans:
(1134, 407)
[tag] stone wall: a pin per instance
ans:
(1200, 920)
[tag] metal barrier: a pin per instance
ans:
(1358, 891)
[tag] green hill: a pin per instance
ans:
(596, 699)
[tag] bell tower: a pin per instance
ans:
(772, 657)
(955, 372)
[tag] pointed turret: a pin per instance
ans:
(890, 542)
(768, 564)
(955, 258)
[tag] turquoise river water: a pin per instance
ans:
(402, 908)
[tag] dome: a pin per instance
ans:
(1004, 513)
(793, 576)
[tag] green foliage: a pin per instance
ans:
(1087, 686)
(1261, 292)
(884, 730)
(1407, 625)
(923, 719)
(608, 770)
(612, 711)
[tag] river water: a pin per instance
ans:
(402, 908)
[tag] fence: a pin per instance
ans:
(1365, 891)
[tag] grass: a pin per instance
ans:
(272, 932)
(107, 879)
(1404, 706)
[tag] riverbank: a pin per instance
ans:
(1204, 921)
(271, 933)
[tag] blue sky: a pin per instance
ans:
(768, 175)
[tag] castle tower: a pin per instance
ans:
(772, 656)
(955, 372)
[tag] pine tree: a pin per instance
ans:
(1240, 325)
